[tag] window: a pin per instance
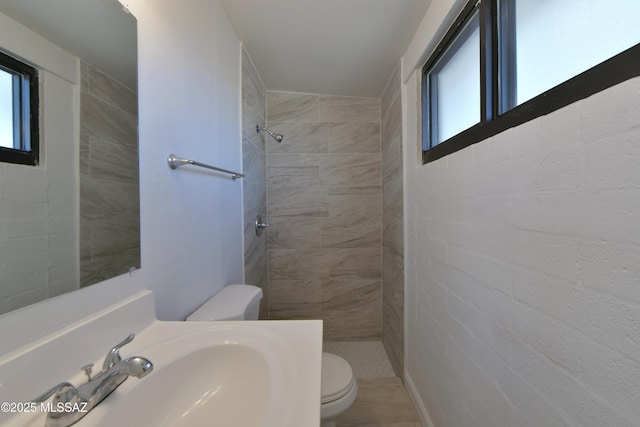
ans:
(505, 62)
(18, 112)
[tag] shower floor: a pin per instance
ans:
(382, 399)
(367, 358)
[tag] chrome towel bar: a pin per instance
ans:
(175, 162)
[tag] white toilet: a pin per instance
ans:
(242, 302)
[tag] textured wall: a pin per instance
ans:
(254, 165)
(392, 224)
(109, 190)
(524, 273)
(324, 195)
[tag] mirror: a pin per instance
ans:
(72, 220)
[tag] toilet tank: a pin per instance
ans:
(233, 302)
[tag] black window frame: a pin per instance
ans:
(497, 82)
(26, 113)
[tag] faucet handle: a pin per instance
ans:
(65, 392)
(113, 356)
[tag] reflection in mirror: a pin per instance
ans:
(73, 219)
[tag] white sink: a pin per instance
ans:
(228, 374)
(240, 374)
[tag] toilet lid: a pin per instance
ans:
(337, 377)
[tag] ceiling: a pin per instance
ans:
(98, 31)
(338, 47)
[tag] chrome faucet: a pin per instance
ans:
(71, 403)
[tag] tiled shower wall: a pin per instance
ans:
(392, 225)
(109, 191)
(325, 199)
(255, 182)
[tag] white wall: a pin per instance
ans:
(522, 261)
(39, 204)
(189, 92)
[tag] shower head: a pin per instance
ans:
(277, 136)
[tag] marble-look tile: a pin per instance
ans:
(305, 137)
(392, 160)
(113, 160)
(292, 107)
(299, 264)
(391, 122)
(115, 233)
(358, 322)
(364, 262)
(112, 92)
(351, 308)
(84, 76)
(84, 155)
(392, 335)
(293, 170)
(354, 137)
(392, 198)
(393, 233)
(343, 292)
(295, 232)
(254, 163)
(351, 232)
(391, 91)
(361, 205)
(308, 200)
(369, 112)
(289, 311)
(255, 200)
(355, 170)
(295, 291)
(393, 225)
(100, 198)
(254, 160)
(101, 267)
(104, 121)
(329, 100)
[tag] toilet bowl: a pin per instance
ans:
(242, 302)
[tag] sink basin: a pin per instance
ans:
(240, 374)
(228, 374)
(221, 385)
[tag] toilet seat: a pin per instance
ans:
(337, 378)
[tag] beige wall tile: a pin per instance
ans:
(325, 198)
(294, 311)
(354, 137)
(308, 200)
(291, 107)
(369, 112)
(305, 137)
(295, 232)
(295, 291)
(329, 100)
(255, 181)
(293, 170)
(354, 170)
(361, 205)
(109, 191)
(351, 232)
(299, 264)
(392, 224)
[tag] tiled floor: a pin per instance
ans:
(367, 358)
(382, 399)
